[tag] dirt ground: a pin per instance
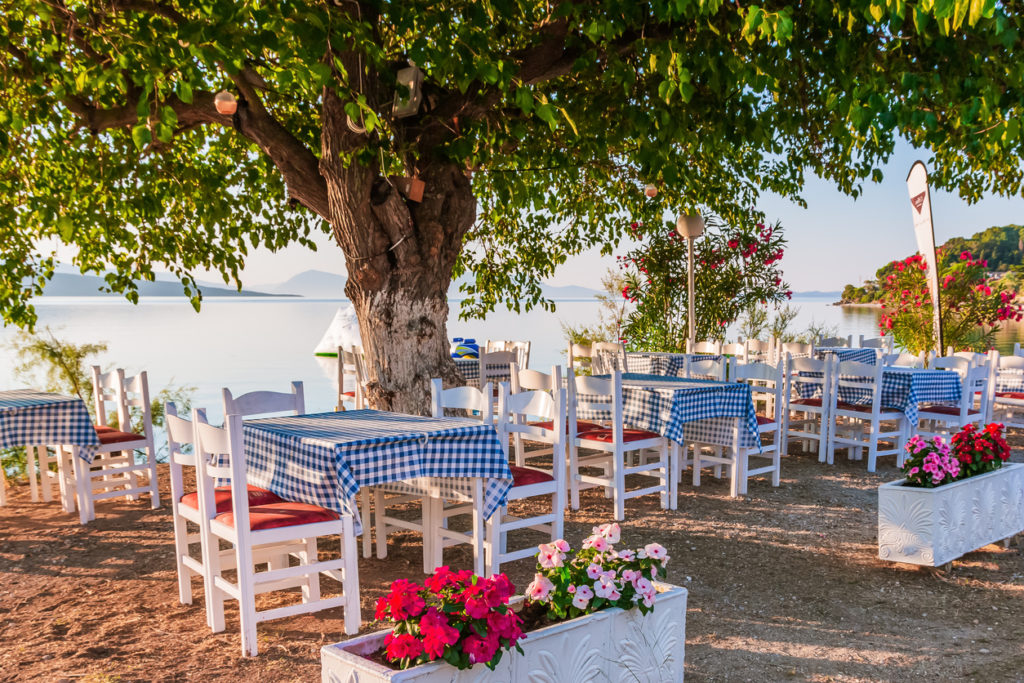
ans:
(784, 585)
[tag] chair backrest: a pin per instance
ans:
(875, 343)
(767, 383)
(580, 356)
(905, 360)
(516, 411)
(534, 380)
(818, 382)
(796, 349)
(125, 393)
(180, 448)
(471, 399)
(706, 369)
(735, 349)
(220, 456)
(836, 341)
(588, 394)
(859, 377)
(955, 363)
(1009, 362)
(350, 376)
(758, 346)
(263, 402)
(977, 380)
(705, 347)
(975, 359)
(494, 365)
(608, 357)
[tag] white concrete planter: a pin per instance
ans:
(611, 645)
(935, 526)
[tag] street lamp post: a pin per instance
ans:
(690, 227)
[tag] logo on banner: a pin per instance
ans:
(918, 201)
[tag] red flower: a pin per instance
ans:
(733, 243)
(404, 646)
(480, 649)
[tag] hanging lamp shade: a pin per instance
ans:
(690, 226)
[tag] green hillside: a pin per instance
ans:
(1001, 246)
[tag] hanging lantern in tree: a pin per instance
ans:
(225, 103)
(651, 190)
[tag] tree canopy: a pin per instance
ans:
(560, 112)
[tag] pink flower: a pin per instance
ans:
(480, 649)
(402, 646)
(627, 555)
(655, 551)
(606, 588)
(598, 543)
(610, 532)
(594, 571)
(629, 575)
(539, 589)
(582, 597)
(562, 545)
(643, 585)
(549, 556)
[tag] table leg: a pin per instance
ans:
(478, 526)
(351, 587)
(739, 471)
(30, 470)
(82, 485)
(428, 533)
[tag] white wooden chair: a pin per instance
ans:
(494, 367)
(938, 419)
(1006, 405)
(519, 414)
(187, 508)
(796, 350)
(520, 348)
(532, 380)
(580, 358)
(905, 360)
(265, 402)
(705, 369)
(760, 350)
(835, 341)
(247, 528)
(709, 347)
(608, 357)
(736, 350)
(613, 443)
(855, 426)
(1017, 350)
(767, 387)
(350, 379)
(114, 471)
(975, 359)
(884, 343)
(812, 420)
(433, 520)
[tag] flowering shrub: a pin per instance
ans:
(980, 451)
(733, 268)
(972, 307)
(598, 576)
(455, 616)
(970, 452)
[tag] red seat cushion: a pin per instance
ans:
(815, 402)
(1010, 394)
(581, 425)
(222, 494)
(605, 435)
(350, 394)
(524, 476)
(110, 435)
(857, 407)
(275, 515)
(764, 420)
(946, 410)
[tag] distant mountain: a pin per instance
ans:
(557, 293)
(314, 284)
(67, 281)
(817, 292)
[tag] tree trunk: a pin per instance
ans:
(399, 256)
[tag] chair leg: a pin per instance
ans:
(379, 523)
(494, 534)
(351, 577)
(430, 523)
(777, 463)
(520, 455)
(366, 519)
(154, 487)
(619, 487)
(674, 474)
(246, 604)
(311, 589)
(666, 503)
(181, 550)
(214, 596)
(574, 472)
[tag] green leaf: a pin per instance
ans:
(66, 228)
(141, 136)
(572, 125)
(185, 92)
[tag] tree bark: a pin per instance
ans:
(399, 256)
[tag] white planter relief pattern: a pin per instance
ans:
(611, 645)
(935, 526)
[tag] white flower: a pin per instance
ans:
(655, 551)
(594, 571)
(610, 532)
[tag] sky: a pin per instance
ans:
(834, 241)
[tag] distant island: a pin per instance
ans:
(309, 284)
(1001, 246)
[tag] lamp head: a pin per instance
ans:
(690, 226)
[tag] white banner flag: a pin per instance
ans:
(921, 203)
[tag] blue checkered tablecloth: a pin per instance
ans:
(903, 389)
(844, 353)
(324, 459)
(684, 410)
(1010, 380)
(38, 418)
(664, 364)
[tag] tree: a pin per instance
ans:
(734, 267)
(539, 124)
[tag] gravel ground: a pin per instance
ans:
(784, 585)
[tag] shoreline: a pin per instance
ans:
(871, 304)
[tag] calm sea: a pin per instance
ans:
(247, 344)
